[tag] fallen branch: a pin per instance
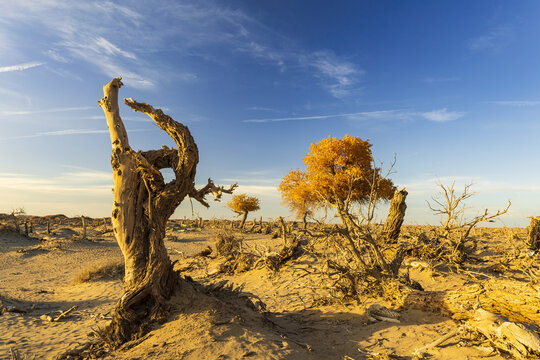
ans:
(497, 309)
(418, 352)
(59, 317)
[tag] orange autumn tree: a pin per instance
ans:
(242, 205)
(340, 173)
(297, 195)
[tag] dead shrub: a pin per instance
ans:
(8, 229)
(238, 262)
(226, 242)
(101, 270)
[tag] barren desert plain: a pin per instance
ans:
(257, 312)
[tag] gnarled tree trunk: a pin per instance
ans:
(143, 203)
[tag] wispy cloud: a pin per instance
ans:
(340, 77)
(119, 40)
(261, 190)
(517, 103)
(262, 108)
(87, 183)
(253, 181)
(67, 132)
(495, 39)
(20, 67)
(364, 114)
(55, 55)
(15, 94)
(41, 111)
(429, 185)
(442, 115)
(431, 80)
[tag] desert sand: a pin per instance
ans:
(258, 314)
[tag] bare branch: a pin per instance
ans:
(217, 191)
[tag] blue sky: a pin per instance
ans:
(450, 87)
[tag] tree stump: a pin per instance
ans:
(396, 214)
(533, 233)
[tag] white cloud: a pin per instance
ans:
(120, 40)
(261, 190)
(517, 103)
(339, 76)
(14, 94)
(262, 108)
(67, 132)
(495, 39)
(442, 115)
(41, 111)
(111, 49)
(253, 181)
(55, 55)
(429, 185)
(20, 67)
(431, 80)
(82, 183)
(352, 116)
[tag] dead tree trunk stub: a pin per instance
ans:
(396, 214)
(533, 233)
(283, 230)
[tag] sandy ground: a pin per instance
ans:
(37, 276)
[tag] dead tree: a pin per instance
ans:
(533, 233)
(83, 223)
(396, 214)
(283, 230)
(143, 203)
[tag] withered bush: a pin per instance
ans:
(226, 242)
(453, 244)
(101, 270)
(8, 229)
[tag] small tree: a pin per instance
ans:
(296, 194)
(242, 205)
(342, 175)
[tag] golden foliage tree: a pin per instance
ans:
(339, 173)
(296, 194)
(242, 205)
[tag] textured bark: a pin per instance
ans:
(143, 203)
(533, 233)
(396, 214)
